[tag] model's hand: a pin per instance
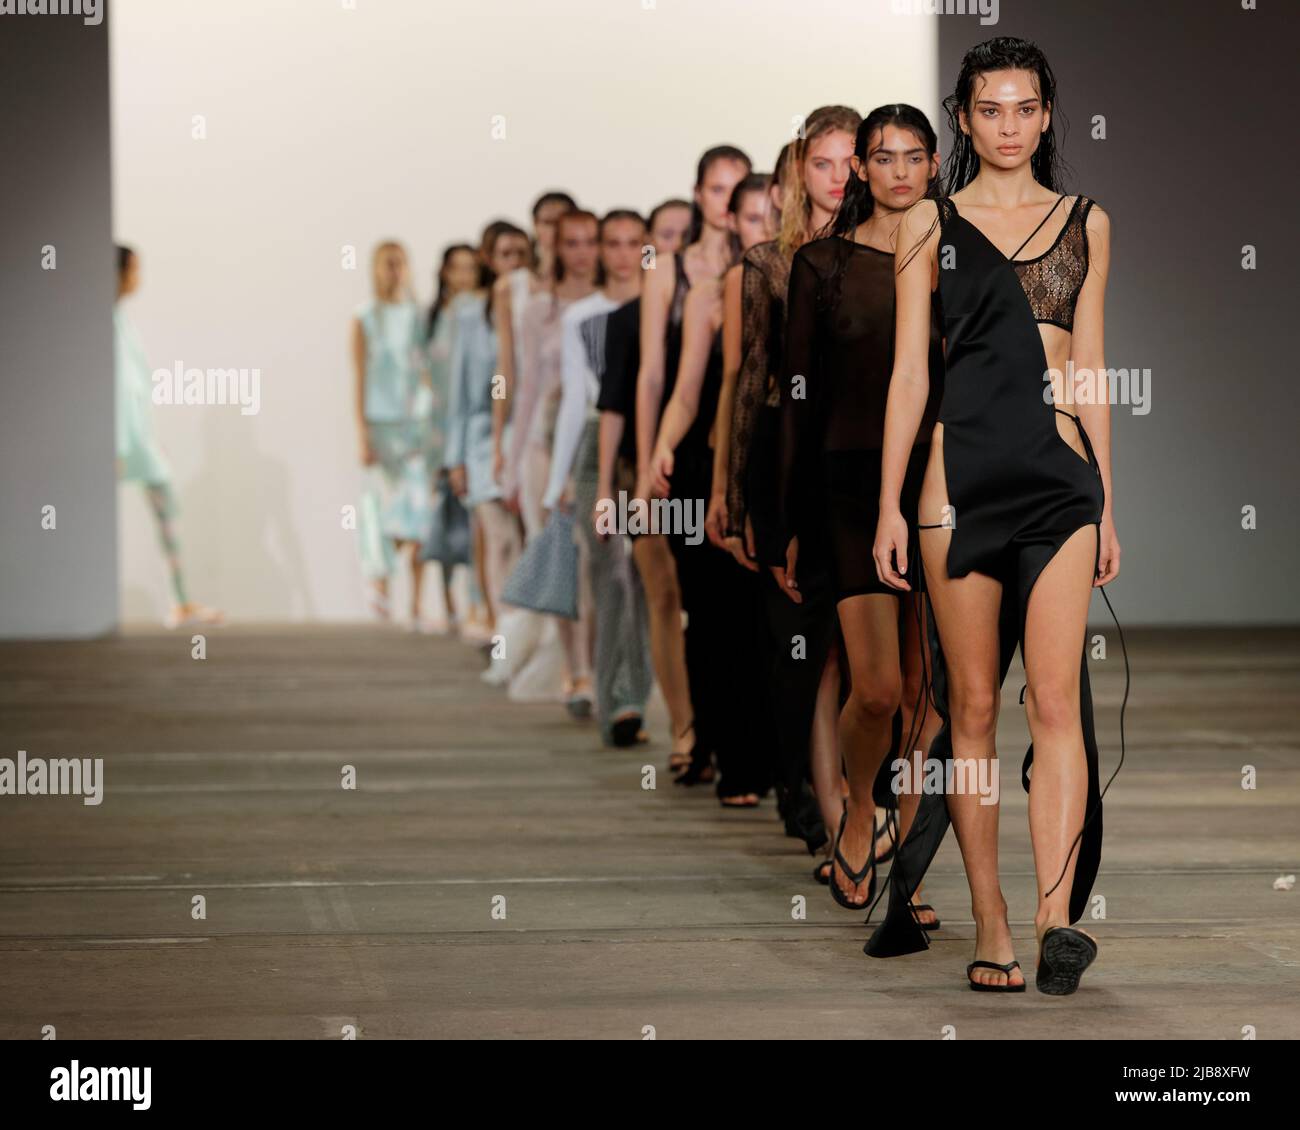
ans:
(743, 549)
(661, 472)
(369, 457)
(891, 546)
(498, 463)
(715, 521)
(786, 577)
(1108, 558)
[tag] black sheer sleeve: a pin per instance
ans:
(756, 367)
(800, 393)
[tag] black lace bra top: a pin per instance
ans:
(1051, 281)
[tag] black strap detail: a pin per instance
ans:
(1036, 230)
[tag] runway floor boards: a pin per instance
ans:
(625, 908)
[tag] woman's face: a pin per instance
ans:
(755, 222)
(509, 253)
(897, 169)
(460, 274)
(129, 280)
(714, 192)
(1006, 119)
(577, 247)
(390, 271)
(826, 168)
(670, 228)
(620, 248)
(544, 224)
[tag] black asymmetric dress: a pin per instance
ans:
(1016, 491)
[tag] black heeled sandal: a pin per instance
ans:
(854, 877)
(1007, 988)
(1062, 957)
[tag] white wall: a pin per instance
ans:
(335, 122)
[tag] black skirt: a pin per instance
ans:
(853, 504)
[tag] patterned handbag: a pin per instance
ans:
(449, 541)
(546, 576)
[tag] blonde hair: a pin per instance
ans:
(381, 249)
(796, 207)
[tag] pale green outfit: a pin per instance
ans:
(142, 460)
(396, 498)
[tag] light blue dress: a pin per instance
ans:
(469, 415)
(439, 353)
(397, 492)
(137, 447)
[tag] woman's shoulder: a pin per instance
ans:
(820, 254)
(767, 256)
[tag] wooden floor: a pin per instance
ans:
(618, 908)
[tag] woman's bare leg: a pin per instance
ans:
(869, 624)
(966, 616)
(654, 561)
(1055, 627)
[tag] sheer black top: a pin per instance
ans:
(763, 293)
(839, 354)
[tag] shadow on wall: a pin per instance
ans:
(240, 496)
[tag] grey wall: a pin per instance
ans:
(56, 348)
(1199, 160)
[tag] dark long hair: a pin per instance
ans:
(754, 182)
(707, 160)
(858, 204)
(1001, 53)
(1004, 53)
(487, 245)
(439, 299)
(573, 216)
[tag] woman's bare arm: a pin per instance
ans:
(909, 383)
(503, 318)
(700, 321)
(358, 344)
(656, 298)
(1088, 352)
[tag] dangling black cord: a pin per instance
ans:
(920, 711)
(1097, 807)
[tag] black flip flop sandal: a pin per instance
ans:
(1063, 956)
(854, 877)
(1007, 988)
(925, 925)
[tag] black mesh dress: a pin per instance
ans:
(753, 469)
(840, 340)
(1017, 492)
